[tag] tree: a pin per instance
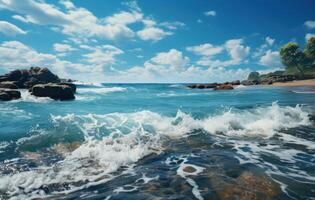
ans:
(293, 58)
(310, 49)
(253, 76)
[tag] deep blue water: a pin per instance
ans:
(133, 141)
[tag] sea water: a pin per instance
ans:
(134, 141)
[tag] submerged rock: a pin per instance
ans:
(248, 186)
(8, 95)
(54, 91)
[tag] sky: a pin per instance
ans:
(151, 41)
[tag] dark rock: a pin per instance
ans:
(247, 82)
(237, 82)
(224, 87)
(8, 95)
(28, 78)
(73, 86)
(54, 91)
(203, 86)
(189, 169)
(8, 85)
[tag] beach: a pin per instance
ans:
(309, 82)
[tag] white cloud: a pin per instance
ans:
(270, 41)
(172, 25)
(236, 50)
(153, 33)
(101, 56)
(10, 29)
(310, 24)
(270, 59)
(173, 66)
(309, 35)
(80, 22)
(205, 49)
(210, 13)
(63, 47)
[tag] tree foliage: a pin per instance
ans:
(298, 60)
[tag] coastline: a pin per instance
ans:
(308, 82)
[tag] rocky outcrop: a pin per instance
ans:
(224, 87)
(41, 82)
(202, 86)
(8, 95)
(28, 78)
(54, 91)
(8, 85)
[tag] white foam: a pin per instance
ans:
(101, 90)
(124, 138)
(87, 84)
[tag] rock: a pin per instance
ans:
(250, 186)
(237, 82)
(8, 85)
(203, 86)
(73, 86)
(224, 87)
(28, 78)
(247, 82)
(8, 95)
(54, 91)
(189, 169)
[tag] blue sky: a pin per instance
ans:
(151, 41)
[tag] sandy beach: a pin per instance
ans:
(309, 82)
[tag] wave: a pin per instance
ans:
(101, 90)
(79, 83)
(304, 92)
(128, 137)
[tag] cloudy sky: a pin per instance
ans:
(150, 40)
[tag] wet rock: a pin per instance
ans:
(189, 169)
(54, 91)
(8, 85)
(73, 86)
(8, 95)
(247, 82)
(248, 186)
(224, 87)
(202, 86)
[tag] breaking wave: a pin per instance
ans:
(121, 139)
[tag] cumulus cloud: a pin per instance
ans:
(310, 24)
(210, 13)
(270, 59)
(270, 41)
(153, 33)
(234, 48)
(205, 49)
(14, 54)
(101, 56)
(63, 47)
(80, 22)
(10, 29)
(173, 66)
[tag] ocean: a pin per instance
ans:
(160, 141)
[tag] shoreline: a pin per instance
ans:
(308, 82)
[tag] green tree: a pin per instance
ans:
(253, 76)
(293, 58)
(310, 49)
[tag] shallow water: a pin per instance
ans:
(159, 141)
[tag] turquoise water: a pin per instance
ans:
(133, 141)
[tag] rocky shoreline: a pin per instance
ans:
(253, 79)
(40, 82)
